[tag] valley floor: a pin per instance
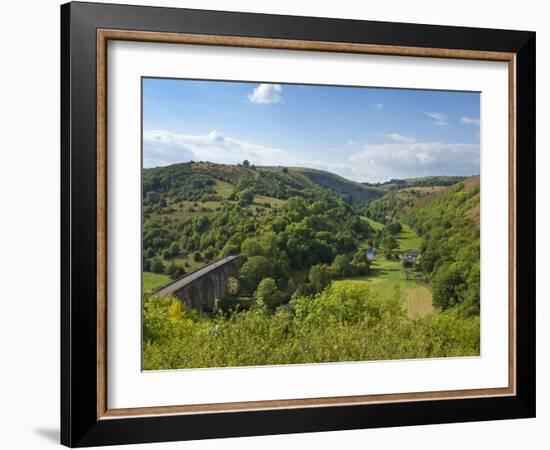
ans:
(386, 278)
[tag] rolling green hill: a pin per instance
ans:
(352, 191)
(448, 222)
(398, 183)
(306, 288)
(197, 181)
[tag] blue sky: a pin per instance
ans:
(363, 134)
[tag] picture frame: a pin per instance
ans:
(86, 29)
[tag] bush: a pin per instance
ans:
(146, 265)
(361, 268)
(320, 277)
(392, 228)
(157, 265)
(268, 293)
(254, 270)
(246, 197)
(174, 271)
(174, 249)
(344, 323)
(341, 266)
(210, 253)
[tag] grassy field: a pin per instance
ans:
(153, 281)
(409, 240)
(375, 225)
(386, 278)
(223, 188)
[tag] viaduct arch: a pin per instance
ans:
(200, 288)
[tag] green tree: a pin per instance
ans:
(268, 293)
(246, 197)
(390, 244)
(252, 247)
(174, 249)
(146, 265)
(210, 253)
(447, 287)
(157, 265)
(392, 228)
(152, 198)
(341, 266)
(320, 276)
(360, 256)
(253, 271)
(174, 270)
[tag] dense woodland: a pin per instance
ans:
(303, 291)
(449, 225)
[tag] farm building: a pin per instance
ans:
(410, 258)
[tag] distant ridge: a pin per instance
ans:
(272, 181)
(441, 180)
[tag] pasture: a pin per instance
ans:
(387, 279)
(153, 281)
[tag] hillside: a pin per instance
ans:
(306, 288)
(197, 212)
(194, 213)
(448, 222)
(398, 183)
(403, 195)
(196, 181)
(352, 191)
(319, 279)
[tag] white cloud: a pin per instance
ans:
(401, 138)
(378, 106)
(469, 121)
(416, 159)
(161, 148)
(400, 157)
(266, 93)
(440, 118)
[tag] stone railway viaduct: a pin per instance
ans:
(201, 288)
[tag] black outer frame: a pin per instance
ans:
(79, 424)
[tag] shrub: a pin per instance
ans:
(344, 323)
(157, 265)
(174, 270)
(341, 266)
(246, 197)
(146, 265)
(320, 277)
(253, 271)
(268, 293)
